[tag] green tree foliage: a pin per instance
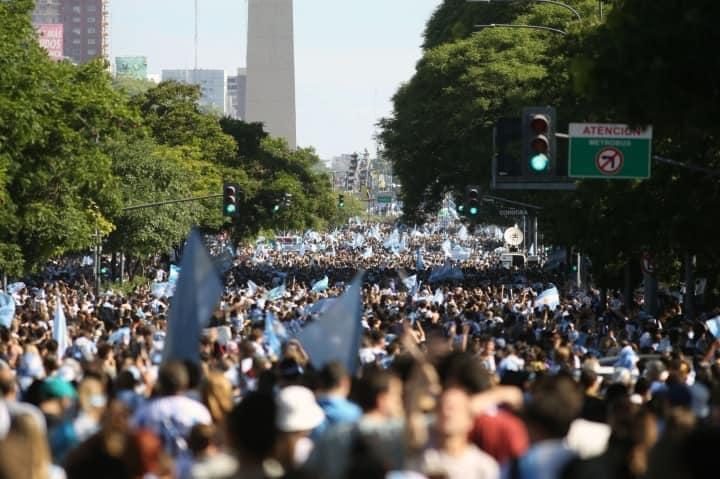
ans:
(53, 120)
(643, 64)
(172, 113)
(149, 173)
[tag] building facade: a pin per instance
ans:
(211, 82)
(271, 67)
(85, 26)
(236, 92)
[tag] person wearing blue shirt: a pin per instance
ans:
(333, 389)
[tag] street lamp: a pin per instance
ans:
(551, 2)
(516, 25)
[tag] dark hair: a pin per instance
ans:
(173, 378)
(465, 371)
(251, 426)
(556, 402)
(330, 375)
(374, 381)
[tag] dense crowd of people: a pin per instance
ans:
(462, 372)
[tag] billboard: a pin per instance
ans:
(50, 37)
(133, 67)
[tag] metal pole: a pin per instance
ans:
(170, 202)
(517, 25)
(563, 5)
(535, 235)
(689, 299)
(579, 269)
(525, 236)
(122, 266)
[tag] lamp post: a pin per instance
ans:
(516, 25)
(551, 2)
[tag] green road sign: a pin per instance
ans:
(609, 151)
(384, 199)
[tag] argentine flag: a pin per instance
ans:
(550, 298)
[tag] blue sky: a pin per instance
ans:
(350, 55)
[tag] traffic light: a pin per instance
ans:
(287, 200)
(231, 192)
(538, 141)
(472, 200)
(460, 206)
(341, 201)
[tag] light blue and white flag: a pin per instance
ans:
(275, 333)
(302, 250)
(358, 241)
(321, 285)
(59, 329)
(161, 290)
(7, 309)
(368, 253)
(439, 297)
(393, 241)
(410, 282)
(446, 248)
(14, 288)
(419, 262)
(713, 326)
(252, 288)
(198, 290)
(460, 254)
(550, 298)
(375, 233)
(275, 293)
(463, 233)
(336, 334)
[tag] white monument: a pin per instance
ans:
(271, 67)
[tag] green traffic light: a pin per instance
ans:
(276, 208)
(539, 162)
(461, 208)
(473, 210)
(230, 209)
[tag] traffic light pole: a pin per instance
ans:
(171, 202)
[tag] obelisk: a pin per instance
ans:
(271, 67)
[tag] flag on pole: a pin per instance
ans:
(336, 334)
(252, 288)
(368, 253)
(198, 291)
(447, 248)
(275, 293)
(60, 333)
(321, 285)
(419, 262)
(713, 326)
(410, 282)
(463, 233)
(550, 298)
(439, 297)
(302, 249)
(274, 334)
(7, 309)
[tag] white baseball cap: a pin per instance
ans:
(297, 410)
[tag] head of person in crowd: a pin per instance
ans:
(217, 395)
(556, 401)
(24, 451)
(250, 434)
(378, 392)
(297, 415)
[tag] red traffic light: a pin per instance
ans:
(539, 123)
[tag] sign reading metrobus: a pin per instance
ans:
(50, 37)
(609, 151)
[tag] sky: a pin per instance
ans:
(350, 55)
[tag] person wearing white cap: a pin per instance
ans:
(297, 415)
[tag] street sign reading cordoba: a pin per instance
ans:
(610, 151)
